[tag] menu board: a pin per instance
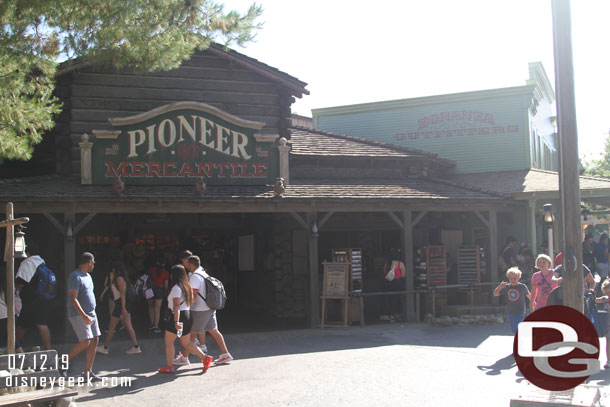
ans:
(335, 280)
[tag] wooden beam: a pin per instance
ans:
(569, 181)
(407, 238)
(139, 206)
(54, 222)
(325, 218)
(314, 289)
(300, 220)
(492, 260)
(418, 218)
(485, 222)
(395, 218)
(84, 222)
(69, 260)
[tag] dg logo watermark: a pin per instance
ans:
(556, 348)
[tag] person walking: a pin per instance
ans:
(601, 256)
(35, 308)
(542, 283)
(204, 318)
(160, 278)
(516, 293)
(121, 311)
(179, 323)
(81, 313)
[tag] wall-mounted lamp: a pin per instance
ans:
(19, 246)
(548, 214)
(314, 227)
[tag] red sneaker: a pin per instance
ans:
(167, 369)
(207, 361)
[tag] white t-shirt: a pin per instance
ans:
(197, 281)
(28, 267)
(176, 292)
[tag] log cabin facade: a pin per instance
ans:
(118, 189)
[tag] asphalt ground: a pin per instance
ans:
(380, 365)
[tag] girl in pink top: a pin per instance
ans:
(542, 283)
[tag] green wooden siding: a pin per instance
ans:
(487, 134)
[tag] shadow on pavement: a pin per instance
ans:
(505, 363)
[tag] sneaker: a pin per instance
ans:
(223, 359)
(204, 348)
(133, 350)
(120, 328)
(151, 328)
(102, 349)
(92, 376)
(156, 330)
(384, 317)
(181, 360)
(167, 369)
(607, 365)
(207, 361)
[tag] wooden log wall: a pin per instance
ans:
(92, 95)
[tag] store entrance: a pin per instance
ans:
(225, 243)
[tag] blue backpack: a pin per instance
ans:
(47, 284)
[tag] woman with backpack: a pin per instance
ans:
(177, 320)
(119, 283)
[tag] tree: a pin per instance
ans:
(145, 35)
(601, 166)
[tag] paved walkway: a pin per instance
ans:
(380, 365)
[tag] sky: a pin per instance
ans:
(351, 52)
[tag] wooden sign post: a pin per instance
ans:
(335, 287)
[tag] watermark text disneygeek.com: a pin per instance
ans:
(63, 382)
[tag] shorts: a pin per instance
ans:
(34, 313)
(203, 321)
(159, 292)
(185, 318)
(515, 320)
(83, 331)
(117, 308)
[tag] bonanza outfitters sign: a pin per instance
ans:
(182, 142)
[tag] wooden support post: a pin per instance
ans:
(569, 183)
(9, 257)
(69, 259)
(493, 249)
(532, 218)
(314, 289)
(407, 240)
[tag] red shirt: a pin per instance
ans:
(159, 278)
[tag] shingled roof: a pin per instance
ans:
(53, 188)
(525, 181)
(295, 85)
(308, 142)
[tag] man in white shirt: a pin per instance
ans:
(35, 310)
(204, 318)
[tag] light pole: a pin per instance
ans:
(13, 248)
(548, 221)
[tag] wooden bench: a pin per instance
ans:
(40, 369)
(580, 396)
(361, 296)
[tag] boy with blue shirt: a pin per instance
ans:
(81, 313)
(516, 293)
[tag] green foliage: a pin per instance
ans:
(145, 35)
(600, 167)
